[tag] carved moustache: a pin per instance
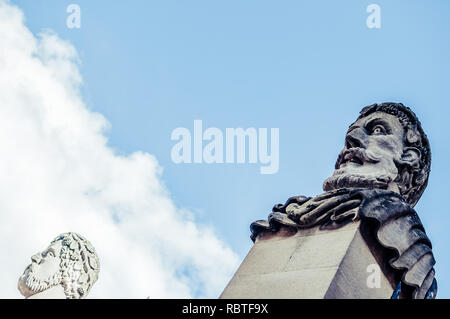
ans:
(356, 155)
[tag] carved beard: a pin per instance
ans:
(35, 284)
(345, 178)
(354, 180)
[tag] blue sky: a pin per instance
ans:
(305, 67)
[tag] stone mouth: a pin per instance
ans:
(351, 155)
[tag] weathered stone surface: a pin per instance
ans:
(351, 278)
(310, 263)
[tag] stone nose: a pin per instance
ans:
(36, 258)
(357, 137)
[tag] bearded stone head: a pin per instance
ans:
(70, 262)
(385, 148)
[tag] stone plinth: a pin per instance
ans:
(310, 263)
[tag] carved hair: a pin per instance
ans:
(79, 265)
(412, 179)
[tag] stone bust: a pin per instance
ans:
(379, 176)
(385, 148)
(67, 269)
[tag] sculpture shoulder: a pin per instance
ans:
(382, 204)
(399, 229)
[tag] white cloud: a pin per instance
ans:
(57, 174)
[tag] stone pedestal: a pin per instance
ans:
(311, 263)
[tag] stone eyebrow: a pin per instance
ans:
(378, 121)
(50, 250)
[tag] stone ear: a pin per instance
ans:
(411, 156)
(412, 136)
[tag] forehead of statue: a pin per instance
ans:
(390, 122)
(56, 246)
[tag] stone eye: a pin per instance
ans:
(378, 129)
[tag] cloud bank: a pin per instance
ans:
(57, 174)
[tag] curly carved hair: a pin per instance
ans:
(412, 180)
(79, 265)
